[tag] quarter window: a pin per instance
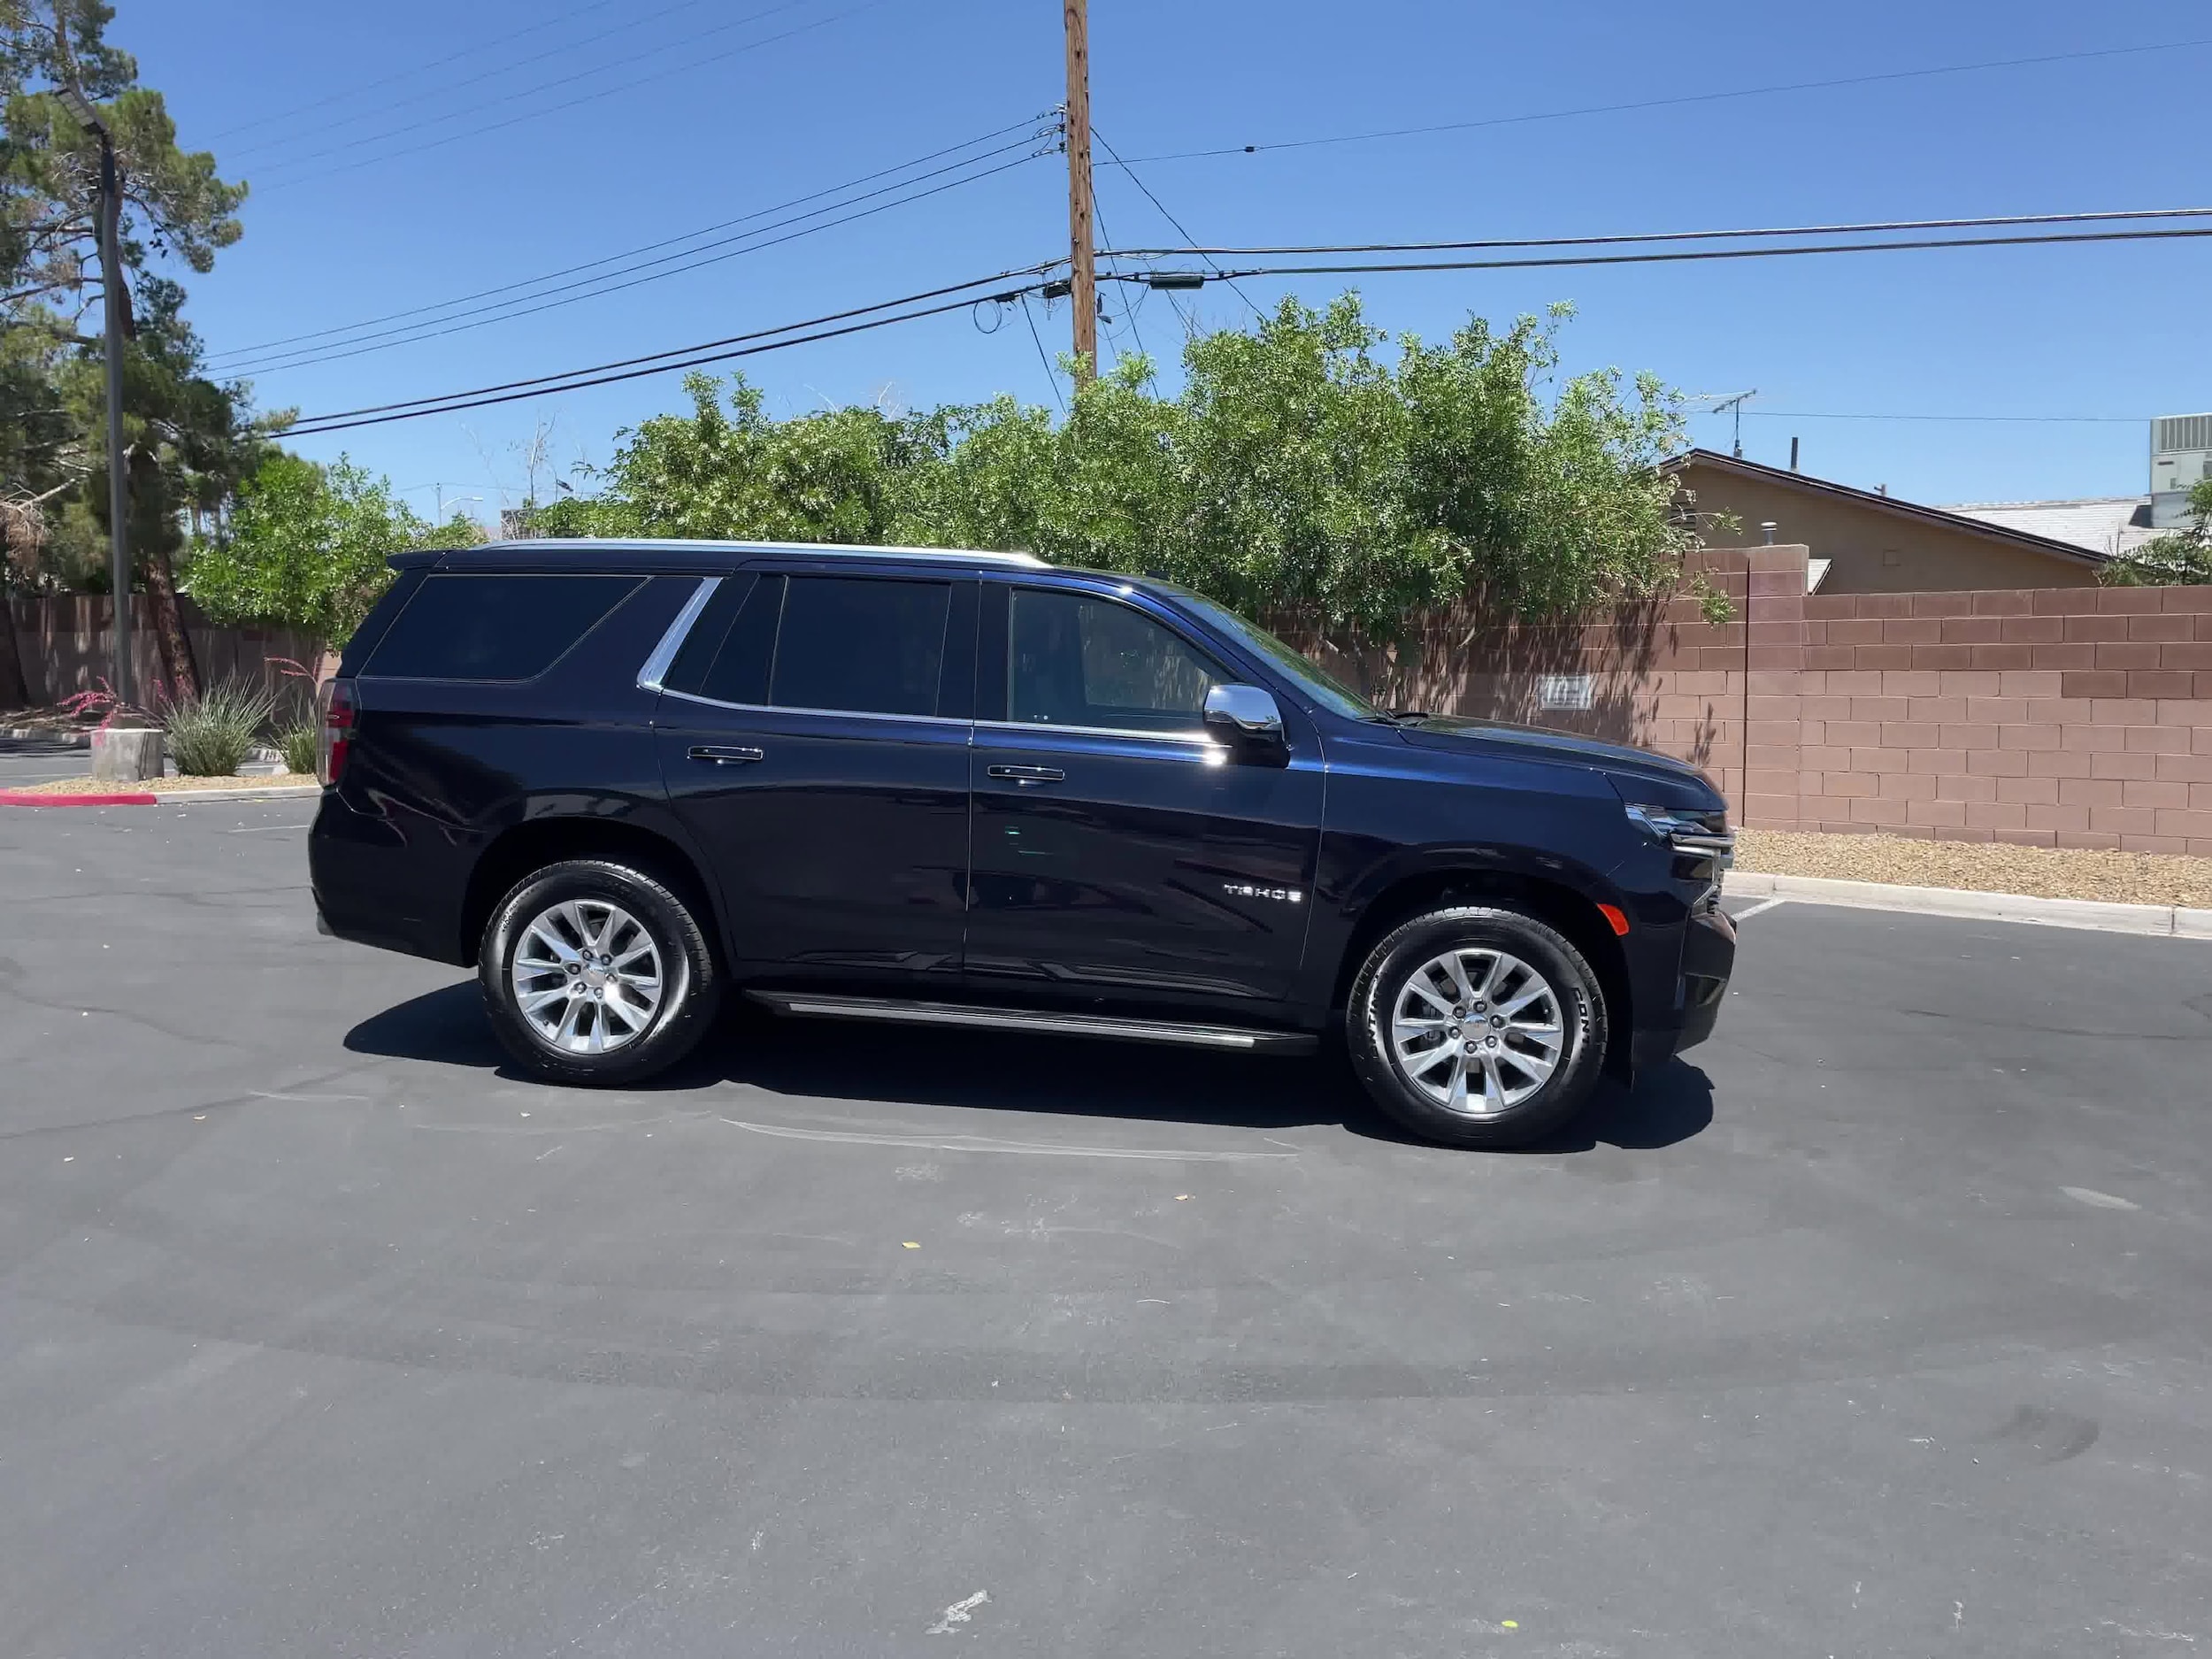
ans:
(494, 627)
(1074, 660)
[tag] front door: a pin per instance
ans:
(1117, 853)
(814, 737)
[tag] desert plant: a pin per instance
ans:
(300, 744)
(211, 734)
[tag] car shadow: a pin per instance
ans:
(835, 1061)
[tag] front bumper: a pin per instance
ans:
(1709, 957)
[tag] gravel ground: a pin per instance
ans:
(2049, 872)
(98, 786)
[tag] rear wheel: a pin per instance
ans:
(1478, 1027)
(596, 971)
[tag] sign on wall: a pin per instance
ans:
(1563, 691)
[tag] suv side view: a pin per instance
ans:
(625, 778)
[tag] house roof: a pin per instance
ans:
(1955, 519)
(2102, 523)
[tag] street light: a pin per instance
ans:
(118, 323)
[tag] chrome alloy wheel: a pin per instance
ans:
(1477, 1031)
(586, 977)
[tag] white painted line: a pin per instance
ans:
(2158, 920)
(263, 829)
(2090, 1196)
(986, 1143)
(1760, 909)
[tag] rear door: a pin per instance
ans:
(813, 732)
(1119, 854)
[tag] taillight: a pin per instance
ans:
(338, 717)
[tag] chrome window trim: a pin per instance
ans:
(835, 714)
(1194, 740)
(656, 666)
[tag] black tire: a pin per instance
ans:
(1394, 961)
(691, 989)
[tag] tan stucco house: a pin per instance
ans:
(1864, 541)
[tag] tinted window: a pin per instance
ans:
(1072, 660)
(871, 645)
(494, 627)
(688, 667)
(740, 673)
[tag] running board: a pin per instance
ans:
(900, 1011)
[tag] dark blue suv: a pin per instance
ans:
(975, 789)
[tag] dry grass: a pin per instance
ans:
(2049, 872)
(169, 786)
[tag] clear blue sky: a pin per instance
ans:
(671, 120)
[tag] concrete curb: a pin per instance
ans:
(284, 792)
(2171, 921)
(161, 797)
(42, 735)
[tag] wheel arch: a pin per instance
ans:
(535, 843)
(1559, 904)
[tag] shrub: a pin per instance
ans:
(300, 744)
(211, 734)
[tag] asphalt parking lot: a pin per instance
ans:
(1877, 1326)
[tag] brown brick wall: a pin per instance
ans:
(2059, 716)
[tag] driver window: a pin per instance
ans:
(1075, 660)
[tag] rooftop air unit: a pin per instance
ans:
(2181, 455)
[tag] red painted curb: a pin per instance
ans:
(19, 797)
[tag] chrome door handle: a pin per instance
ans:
(721, 756)
(1026, 775)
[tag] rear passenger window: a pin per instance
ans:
(868, 645)
(494, 627)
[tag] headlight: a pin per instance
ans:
(1705, 833)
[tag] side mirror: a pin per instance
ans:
(1244, 717)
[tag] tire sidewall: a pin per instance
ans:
(685, 1004)
(1478, 927)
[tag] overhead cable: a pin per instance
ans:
(1036, 125)
(661, 361)
(598, 286)
(1686, 98)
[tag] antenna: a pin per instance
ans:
(1718, 401)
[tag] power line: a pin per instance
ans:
(566, 106)
(2079, 420)
(628, 25)
(1051, 379)
(472, 397)
(1867, 228)
(1164, 214)
(328, 99)
(1695, 254)
(484, 106)
(667, 242)
(598, 288)
(1687, 99)
(694, 363)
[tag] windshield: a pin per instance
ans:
(1323, 687)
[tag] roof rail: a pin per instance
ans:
(665, 544)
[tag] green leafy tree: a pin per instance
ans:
(1300, 475)
(306, 547)
(189, 438)
(49, 165)
(2179, 557)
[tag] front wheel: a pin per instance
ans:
(1477, 1026)
(595, 972)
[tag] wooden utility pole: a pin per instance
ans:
(1083, 273)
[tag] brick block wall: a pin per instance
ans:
(2058, 717)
